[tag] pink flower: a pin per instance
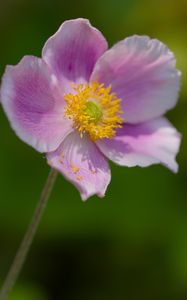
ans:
(82, 104)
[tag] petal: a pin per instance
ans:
(34, 105)
(80, 161)
(74, 49)
(153, 142)
(142, 73)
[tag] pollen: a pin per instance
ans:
(74, 168)
(79, 178)
(94, 110)
(62, 154)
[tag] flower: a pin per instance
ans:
(82, 104)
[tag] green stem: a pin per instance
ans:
(23, 250)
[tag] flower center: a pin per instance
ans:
(94, 110)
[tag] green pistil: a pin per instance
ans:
(93, 111)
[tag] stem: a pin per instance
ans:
(23, 250)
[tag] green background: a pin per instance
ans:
(133, 243)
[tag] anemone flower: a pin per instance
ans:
(83, 104)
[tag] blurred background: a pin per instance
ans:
(133, 243)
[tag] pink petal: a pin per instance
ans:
(143, 74)
(153, 142)
(74, 49)
(34, 105)
(80, 161)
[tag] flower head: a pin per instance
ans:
(82, 104)
(94, 110)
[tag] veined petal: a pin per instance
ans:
(80, 161)
(153, 142)
(142, 73)
(34, 105)
(73, 50)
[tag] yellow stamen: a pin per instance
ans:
(94, 110)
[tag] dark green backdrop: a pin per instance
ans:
(133, 243)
